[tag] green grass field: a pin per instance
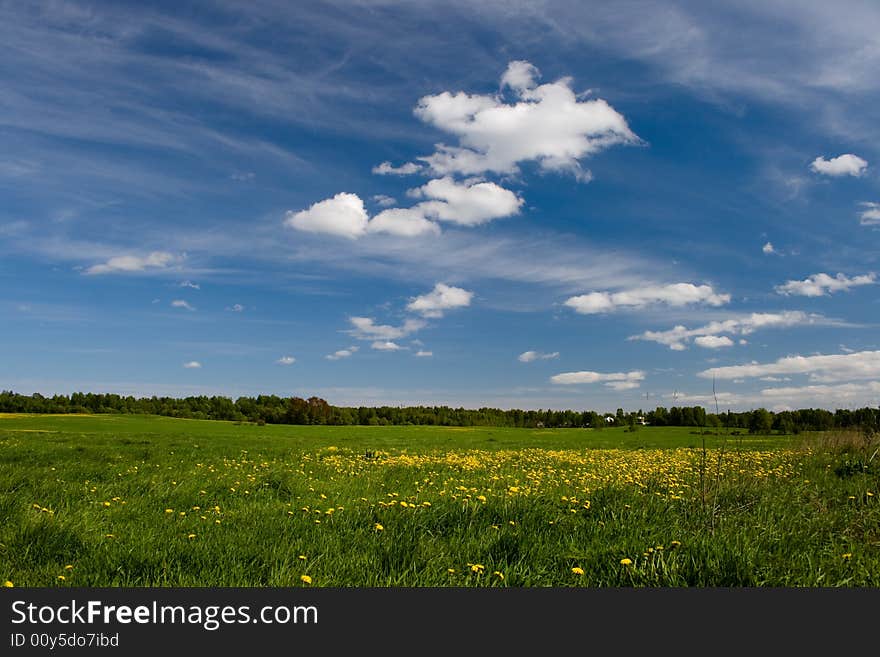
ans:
(149, 501)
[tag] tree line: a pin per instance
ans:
(272, 409)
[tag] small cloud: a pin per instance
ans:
(768, 249)
(615, 380)
(842, 165)
(133, 263)
(384, 201)
(192, 365)
(713, 341)
(676, 294)
(242, 176)
(235, 308)
(421, 353)
(180, 303)
(365, 328)
(387, 345)
(822, 284)
(342, 353)
(532, 356)
(286, 360)
(387, 169)
(443, 297)
(190, 284)
(870, 216)
(343, 215)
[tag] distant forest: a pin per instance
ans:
(271, 409)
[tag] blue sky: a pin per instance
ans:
(535, 205)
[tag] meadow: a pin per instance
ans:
(111, 500)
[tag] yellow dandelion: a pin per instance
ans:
(61, 578)
(190, 536)
(302, 557)
(68, 567)
(675, 544)
(169, 510)
(305, 579)
(109, 536)
(106, 503)
(8, 584)
(626, 562)
(451, 571)
(498, 574)
(477, 568)
(577, 570)
(847, 555)
(378, 527)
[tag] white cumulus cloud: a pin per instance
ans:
(421, 353)
(768, 248)
(192, 365)
(676, 294)
(532, 356)
(548, 123)
(343, 215)
(134, 263)
(286, 360)
(822, 284)
(842, 165)
(442, 298)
